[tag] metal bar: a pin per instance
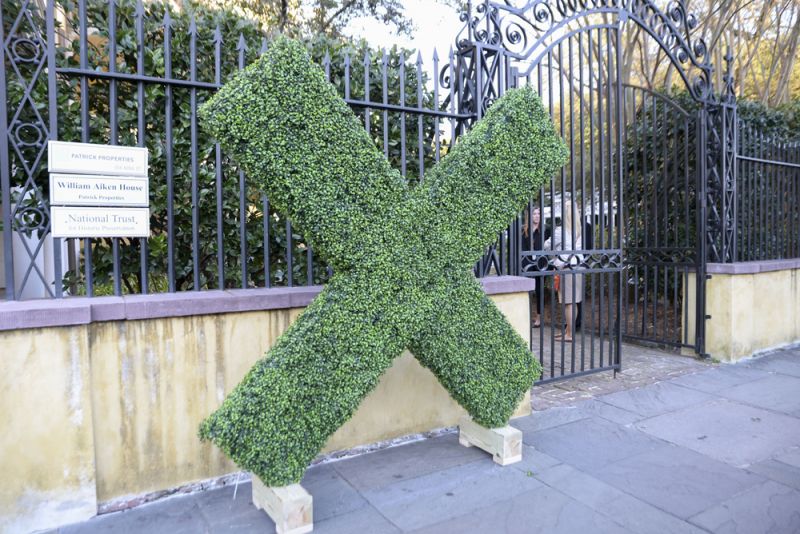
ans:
(602, 132)
(676, 235)
(564, 203)
(141, 126)
(52, 97)
(747, 166)
(618, 214)
(114, 127)
(731, 161)
(478, 66)
(437, 152)
(454, 88)
(218, 173)
(289, 253)
(267, 273)
(577, 217)
(635, 201)
(664, 195)
(169, 153)
(288, 225)
(241, 49)
(777, 162)
(346, 76)
(646, 138)
(762, 200)
(367, 111)
(408, 109)
(5, 169)
(582, 170)
(402, 67)
(420, 120)
(701, 220)
(167, 81)
(794, 221)
(543, 233)
(85, 131)
(576, 375)
(193, 156)
(590, 93)
(385, 95)
(552, 219)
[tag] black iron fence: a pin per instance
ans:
(768, 196)
(134, 73)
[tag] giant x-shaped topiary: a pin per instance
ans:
(401, 258)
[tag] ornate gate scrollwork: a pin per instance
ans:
(510, 42)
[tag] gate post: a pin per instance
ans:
(720, 142)
(728, 163)
(703, 233)
(717, 195)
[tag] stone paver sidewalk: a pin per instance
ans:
(716, 450)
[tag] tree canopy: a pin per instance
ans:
(328, 17)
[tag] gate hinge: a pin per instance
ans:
(708, 317)
(709, 277)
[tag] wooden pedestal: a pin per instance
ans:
(291, 507)
(504, 444)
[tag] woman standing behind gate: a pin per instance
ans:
(533, 236)
(568, 238)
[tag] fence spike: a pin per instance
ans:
(138, 11)
(217, 35)
(193, 26)
(167, 19)
(242, 44)
(264, 45)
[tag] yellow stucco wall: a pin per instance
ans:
(750, 313)
(108, 411)
(46, 444)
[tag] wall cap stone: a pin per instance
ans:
(71, 311)
(753, 267)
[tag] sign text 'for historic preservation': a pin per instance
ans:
(100, 222)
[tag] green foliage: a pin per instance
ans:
(321, 17)
(401, 255)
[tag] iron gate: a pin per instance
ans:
(633, 179)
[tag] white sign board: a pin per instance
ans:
(99, 222)
(85, 158)
(88, 190)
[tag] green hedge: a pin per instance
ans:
(401, 255)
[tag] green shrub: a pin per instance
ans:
(401, 255)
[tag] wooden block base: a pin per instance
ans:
(504, 444)
(291, 507)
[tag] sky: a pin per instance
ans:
(436, 27)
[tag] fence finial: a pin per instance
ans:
(729, 94)
(193, 26)
(242, 44)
